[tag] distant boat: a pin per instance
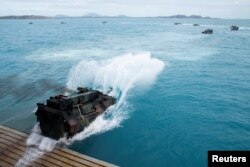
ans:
(207, 31)
(234, 28)
(177, 23)
(104, 22)
(196, 25)
(30, 23)
(62, 22)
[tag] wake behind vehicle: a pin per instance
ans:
(68, 115)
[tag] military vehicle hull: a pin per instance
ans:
(207, 31)
(69, 115)
(177, 23)
(234, 28)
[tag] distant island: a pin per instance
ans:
(25, 17)
(95, 15)
(186, 17)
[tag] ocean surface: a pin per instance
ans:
(180, 93)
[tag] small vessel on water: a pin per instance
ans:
(104, 22)
(207, 31)
(196, 25)
(177, 23)
(30, 22)
(68, 115)
(234, 28)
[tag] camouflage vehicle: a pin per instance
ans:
(207, 31)
(234, 28)
(177, 23)
(68, 115)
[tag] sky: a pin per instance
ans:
(139, 8)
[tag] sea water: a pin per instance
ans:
(180, 93)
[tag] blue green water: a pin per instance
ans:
(199, 100)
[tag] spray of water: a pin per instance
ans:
(31, 154)
(37, 145)
(41, 142)
(122, 74)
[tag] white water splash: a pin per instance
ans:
(122, 74)
(37, 145)
(41, 142)
(31, 154)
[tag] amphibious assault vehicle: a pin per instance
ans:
(207, 31)
(67, 115)
(234, 28)
(177, 23)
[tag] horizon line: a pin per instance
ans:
(95, 15)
